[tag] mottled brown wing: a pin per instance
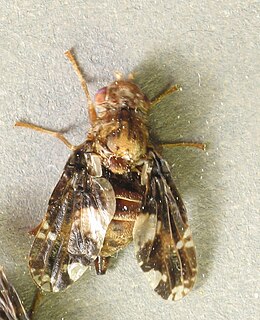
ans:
(163, 244)
(11, 307)
(71, 235)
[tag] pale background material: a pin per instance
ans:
(211, 48)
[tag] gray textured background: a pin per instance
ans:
(212, 49)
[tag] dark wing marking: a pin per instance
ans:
(11, 307)
(162, 237)
(72, 233)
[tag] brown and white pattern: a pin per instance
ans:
(114, 188)
(11, 307)
(163, 243)
(71, 235)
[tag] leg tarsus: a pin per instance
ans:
(101, 264)
(47, 131)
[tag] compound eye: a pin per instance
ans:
(100, 96)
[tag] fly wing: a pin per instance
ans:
(163, 244)
(71, 235)
(11, 307)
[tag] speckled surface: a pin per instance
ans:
(210, 48)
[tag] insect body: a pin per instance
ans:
(11, 307)
(115, 188)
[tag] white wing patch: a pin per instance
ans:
(163, 243)
(76, 270)
(148, 223)
(154, 277)
(72, 233)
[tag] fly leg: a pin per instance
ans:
(201, 146)
(55, 134)
(172, 89)
(35, 303)
(91, 107)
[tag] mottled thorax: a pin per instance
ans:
(121, 132)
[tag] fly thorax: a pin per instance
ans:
(127, 142)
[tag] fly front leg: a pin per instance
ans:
(55, 134)
(91, 106)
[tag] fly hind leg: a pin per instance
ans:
(197, 145)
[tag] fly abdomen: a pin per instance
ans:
(120, 230)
